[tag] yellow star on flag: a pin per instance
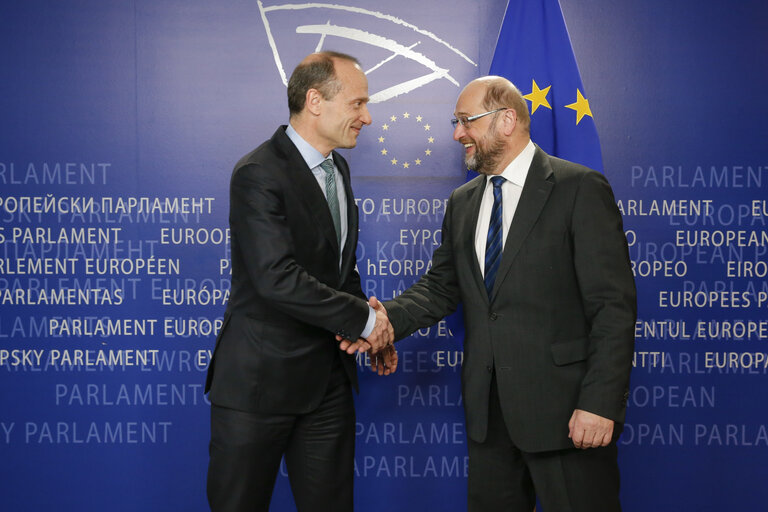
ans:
(418, 119)
(426, 127)
(381, 139)
(384, 151)
(418, 161)
(431, 140)
(406, 115)
(393, 118)
(428, 152)
(385, 127)
(538, 97)
(581, 107)
(394, 161)
(406, 165)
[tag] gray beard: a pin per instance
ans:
(485, 161)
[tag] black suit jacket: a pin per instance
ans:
(289, 298)
(559, 327)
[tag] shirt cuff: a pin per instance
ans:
(369, 325)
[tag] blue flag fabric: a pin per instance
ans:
(534, 52)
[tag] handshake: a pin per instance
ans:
(379, 344)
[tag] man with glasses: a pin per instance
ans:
(535, 250)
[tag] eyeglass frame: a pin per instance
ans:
(456, 121)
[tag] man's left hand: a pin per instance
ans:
(588, 430)
(384, 362)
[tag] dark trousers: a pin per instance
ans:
(504, 478)
(319, 448)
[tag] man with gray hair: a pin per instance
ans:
(535, 250)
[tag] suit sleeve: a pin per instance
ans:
(258, 218)
(353, 287)
(434, 296)
(352, 284)
(601, 261)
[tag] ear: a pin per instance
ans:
(510, 121)
(313, 101)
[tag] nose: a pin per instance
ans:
(366, 116)
(459, 132)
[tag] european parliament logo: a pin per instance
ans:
(399, 57)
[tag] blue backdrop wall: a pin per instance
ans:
(121, 121)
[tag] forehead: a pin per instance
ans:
(470, 100)
(353, 80)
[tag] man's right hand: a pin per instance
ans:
(383, 334)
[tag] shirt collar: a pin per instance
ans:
(517, 170)
(311, 156)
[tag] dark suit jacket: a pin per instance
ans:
(276, 347)
(559, 328)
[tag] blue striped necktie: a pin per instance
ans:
(493, 244)
(332, 197)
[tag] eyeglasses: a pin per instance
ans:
(465, 120)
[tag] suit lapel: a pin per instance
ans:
(536, 190)
(348, 259)
(305, 185)
(467, 230)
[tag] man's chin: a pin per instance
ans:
(480, 170)
(471, 164)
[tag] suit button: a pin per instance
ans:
(489, 368)
(493, 316)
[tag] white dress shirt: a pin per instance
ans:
(514, 174)
(314, 158)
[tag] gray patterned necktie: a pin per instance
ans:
(332, 196)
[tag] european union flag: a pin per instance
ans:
(535, 53)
